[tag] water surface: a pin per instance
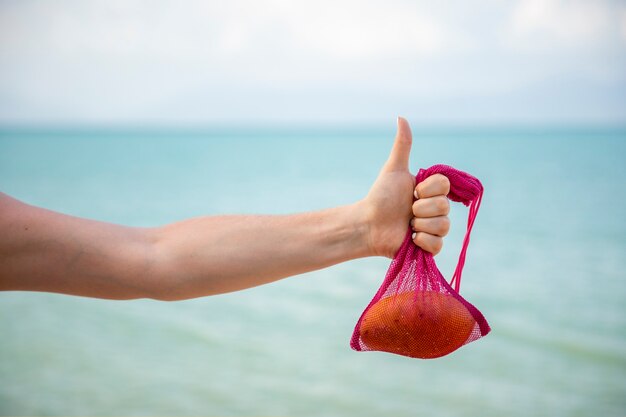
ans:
(545, 266)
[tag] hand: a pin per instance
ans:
(389, 206)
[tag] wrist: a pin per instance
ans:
(360, 225)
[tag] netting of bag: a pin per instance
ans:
(416, 312)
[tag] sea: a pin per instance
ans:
(546, 266)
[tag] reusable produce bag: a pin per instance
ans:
(415, 312)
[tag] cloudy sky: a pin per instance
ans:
(327, 61)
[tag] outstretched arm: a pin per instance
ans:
(41, 250)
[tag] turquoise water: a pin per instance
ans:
(546, 266)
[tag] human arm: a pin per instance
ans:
(41, 250)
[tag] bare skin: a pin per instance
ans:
(41, 250)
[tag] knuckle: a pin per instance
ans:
(443, 205)
(437, 245)
(444, 226)
(444, 183)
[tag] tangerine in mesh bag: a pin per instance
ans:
(415, 312)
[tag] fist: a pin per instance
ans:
(389, 207)
(430, 222)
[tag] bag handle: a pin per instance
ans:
(466, 189)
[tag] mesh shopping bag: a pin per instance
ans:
(416, 312)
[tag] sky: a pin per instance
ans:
(136, 62)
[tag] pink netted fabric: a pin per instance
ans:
(416, 312)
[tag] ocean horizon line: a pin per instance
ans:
(304, 128)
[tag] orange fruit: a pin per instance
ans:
(419, 324)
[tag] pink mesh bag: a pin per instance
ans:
(415, 312)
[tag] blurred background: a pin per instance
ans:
(144, 113)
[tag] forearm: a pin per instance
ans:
(211, 255)
(41, 250)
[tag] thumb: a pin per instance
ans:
(399, 157)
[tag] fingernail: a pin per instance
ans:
(413, 235)
(412, 223)
(417, 197)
